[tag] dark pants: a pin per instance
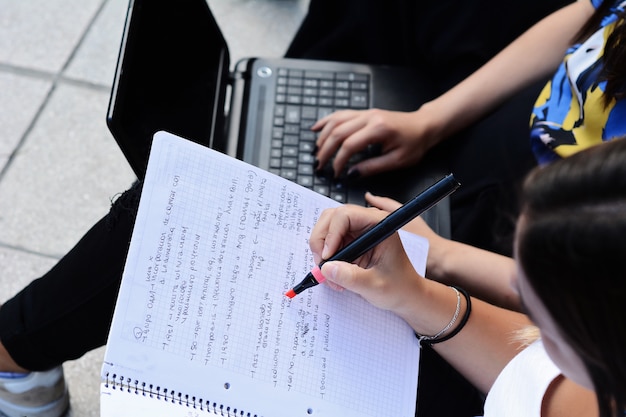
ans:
(67, 312)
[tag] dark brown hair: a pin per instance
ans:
(572, 249)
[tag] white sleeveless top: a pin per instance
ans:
(519, 389)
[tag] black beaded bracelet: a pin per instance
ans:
(458, 328)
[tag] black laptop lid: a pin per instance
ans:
(171, 75)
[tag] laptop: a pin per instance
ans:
(174, 74)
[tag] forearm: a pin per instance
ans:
(485, 275)
(484, 345)
(533, 56)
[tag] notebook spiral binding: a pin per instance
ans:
(119, 382)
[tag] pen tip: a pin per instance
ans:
(290, 293)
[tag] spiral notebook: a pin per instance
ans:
(202, 325)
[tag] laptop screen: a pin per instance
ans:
(171, 75)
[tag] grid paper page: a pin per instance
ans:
(202, 309)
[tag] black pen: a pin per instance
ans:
(385, 228)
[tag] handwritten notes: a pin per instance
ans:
(216, 245)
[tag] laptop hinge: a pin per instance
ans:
(234, 112)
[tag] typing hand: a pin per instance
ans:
(401, 136)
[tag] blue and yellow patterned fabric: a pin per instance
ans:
(569, 114)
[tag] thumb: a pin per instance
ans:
(340, 275)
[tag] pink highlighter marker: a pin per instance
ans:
(312, 279)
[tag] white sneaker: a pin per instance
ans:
(36, 394)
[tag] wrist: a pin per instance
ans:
(440, 254)
(433, 309)
(437, 125)
(456, 323)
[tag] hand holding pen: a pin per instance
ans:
(382, 230)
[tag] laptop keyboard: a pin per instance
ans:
(302, 98)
